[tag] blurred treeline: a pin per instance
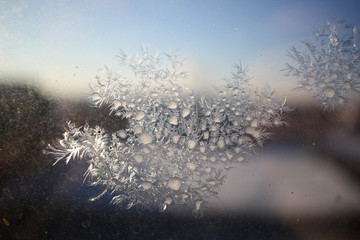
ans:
(29, 122)
(32, 190)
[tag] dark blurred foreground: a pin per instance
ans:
(40, 201)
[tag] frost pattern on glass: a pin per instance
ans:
(177, 145)
(329, 67)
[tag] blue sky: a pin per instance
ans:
(61, 45)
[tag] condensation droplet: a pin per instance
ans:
(146, 138)
(138, 130)
(217, 119)
(277, 122)
(341, 100)
(157, 136)
(329, 92)
(122, 134)
(139, 158)
(123, 88)
(206, 135)
(175, 139)
(254, 123)
(235, 90)
(229, 155)
(173, 120)
(116, 104)
(140, 115)
(172, 105)
(221, 144)
(131, 105)
(146, 150)
(146, 185)
(263, 121)
(191, 166)
(191, 144)
(170, 153)
(185, 112)
(213, 128)
(174, 183)
(168, 200)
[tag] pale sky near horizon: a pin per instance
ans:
(61, 45)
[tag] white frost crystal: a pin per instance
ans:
(177, 144)
(329, 68)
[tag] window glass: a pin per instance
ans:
(179, 119)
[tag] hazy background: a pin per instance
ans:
(61, 45)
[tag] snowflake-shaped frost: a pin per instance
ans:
(177, 145)
(329, 68)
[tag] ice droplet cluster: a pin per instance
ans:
(177, 145)
(329, 68)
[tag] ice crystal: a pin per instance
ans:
(329, 68)
(177, 146)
